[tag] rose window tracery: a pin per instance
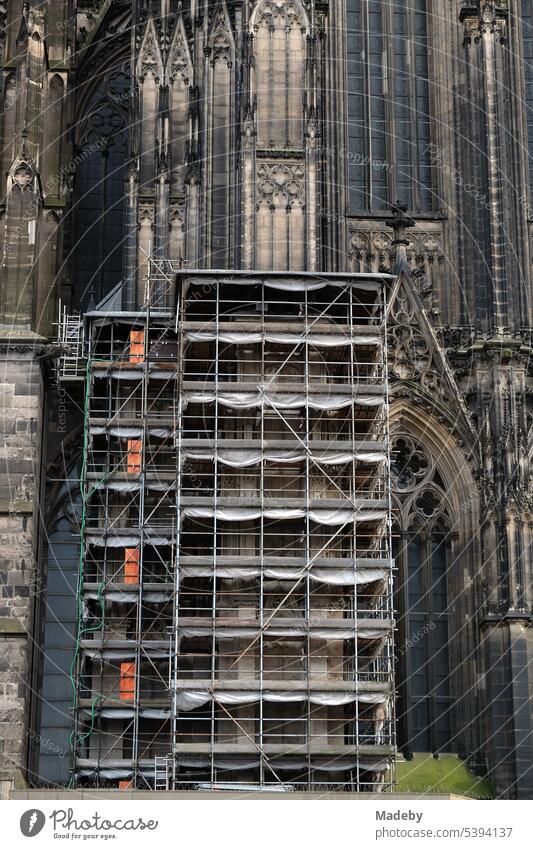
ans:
(410, 466)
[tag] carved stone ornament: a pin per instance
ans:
(277, 181)
(177, 215)
(411, 467)
(375, 249)
(410, 351)
(22, 172)
(471, 29)
(150, 61)
(146, 213)
(179, 60)
(23, 177)
(417, 484)
(220, 37)
(273, 11)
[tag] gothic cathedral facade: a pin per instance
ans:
(305, 136)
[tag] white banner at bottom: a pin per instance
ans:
(243, 821)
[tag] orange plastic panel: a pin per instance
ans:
(136, 346)
(131, 565)
(134, 456)
(127, 681)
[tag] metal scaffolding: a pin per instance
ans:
(235, 582)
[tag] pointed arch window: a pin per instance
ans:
(99, 189)
(53, 142)
(423, 558)
(389, 105)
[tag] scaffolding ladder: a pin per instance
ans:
(162, 774)
(71, 364)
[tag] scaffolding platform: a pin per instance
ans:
(235, 589)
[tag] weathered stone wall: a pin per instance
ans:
(509, 649)
(20, 428)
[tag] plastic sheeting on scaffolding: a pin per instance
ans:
(282, 401)
(241, 458)
(318, 340)
(315, 633)
(118, 597)
(112, 540)
(187, 700)
(370, 282)
(103, 772)
(122, 373)
(122, 431)
(336, 576)
(134, 486)
(127, 432)
(123, 654)
(155, 372)
(337, 764)
(90, 767)
(231, 456)
(127, 713)
(321, 517)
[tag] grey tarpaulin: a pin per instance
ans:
(282, 401)
(114, 713)
(222, 632)
(153, 539)
(118, 597)
(112, 540)
(340, 577)
(160, 432)
(124, 432)
(120, 373)
(243, 762)
(104, 772)
(122, 486)
(240, 458)
(122, 654)
(129, 713)
(161, 486)
(133, 486)
(302, 284)
(245, 514)
(153, 713)
(319, 340)
(91, 768)
(190, 699)
(158, 373)
(128, 597)
(130, 541)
